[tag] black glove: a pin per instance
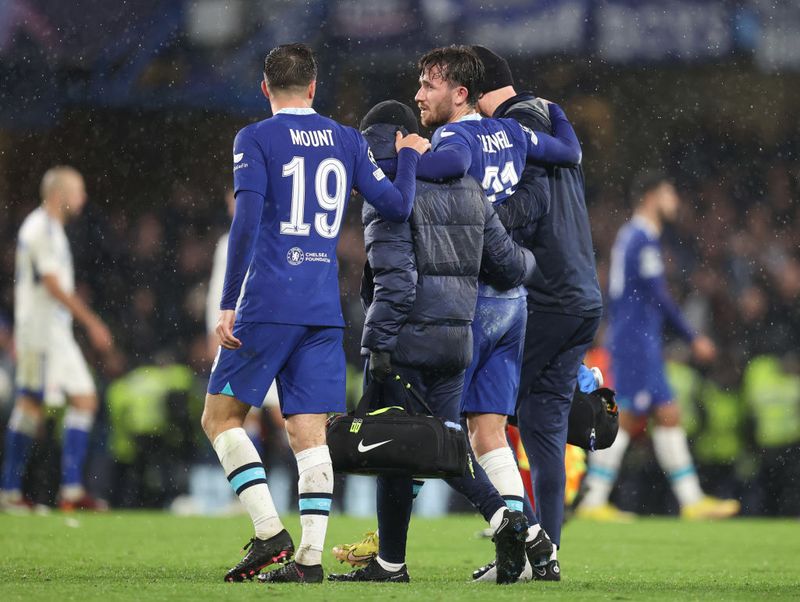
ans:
(380, 365)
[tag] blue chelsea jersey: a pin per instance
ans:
(304, 165)
(499, 151)
(635, 317)
(498, 148)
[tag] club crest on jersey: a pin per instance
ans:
(295, 256)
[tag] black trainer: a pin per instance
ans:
(373, 572)
(263, 552)
(547, 572)
(292, 572)
(509, 545)
(487, 572)
(539, 549)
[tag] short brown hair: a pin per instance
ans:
(645, 182)
(290, 66)
(458, 65)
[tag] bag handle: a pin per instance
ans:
(375, 392)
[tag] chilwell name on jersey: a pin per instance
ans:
(311, 137)
(494, 142)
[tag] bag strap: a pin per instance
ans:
(417, 397)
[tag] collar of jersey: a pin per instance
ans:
(296, 111)
(645, 225)
(471, 117)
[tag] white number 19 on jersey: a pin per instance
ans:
(335, 202)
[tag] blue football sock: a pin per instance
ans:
(15, 457)
(77, 425)
(395, 498)
(527, 510)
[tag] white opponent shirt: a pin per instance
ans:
(216, 284)
(42, 249)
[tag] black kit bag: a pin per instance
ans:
(593, 420)
(381, 437)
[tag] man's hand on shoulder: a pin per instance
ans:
(413, 141)
(227, 318)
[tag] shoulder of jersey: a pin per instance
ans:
(451, 129)
(35, 221)
(641, 237)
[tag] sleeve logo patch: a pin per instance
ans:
(532, 134)
(371, 157)
(238, 157)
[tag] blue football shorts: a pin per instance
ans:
(640, 381)
(307, 362)
(491, 382)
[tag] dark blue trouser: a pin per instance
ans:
(442, 392)
(554, 348)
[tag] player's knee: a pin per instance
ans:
(85, 403)
(486, 432)
(668, 415)
(222, 413)
(209, 421)
(305, 431)
(29, 406)
(632, 424)
(211, 424)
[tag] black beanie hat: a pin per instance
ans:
(393, 113)
(497, 72)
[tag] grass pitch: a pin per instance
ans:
(155, 556)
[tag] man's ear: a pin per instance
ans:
(312, 89)
(264, 88)
(461, 95)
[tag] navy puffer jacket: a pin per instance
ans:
(420, 283)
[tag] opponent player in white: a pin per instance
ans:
(252, 423)
(50, 364)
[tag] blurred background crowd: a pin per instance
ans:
(146, 105)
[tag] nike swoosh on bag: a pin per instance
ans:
(365, 448)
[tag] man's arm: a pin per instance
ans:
(703, 348)
(531, 200)
(651, 271)
(390, 252)
(562, 148)
(504, 263)
(394, 201)
(241, 246)
(446, 163)
(46, 260)
(98, 332)
(250, 189)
